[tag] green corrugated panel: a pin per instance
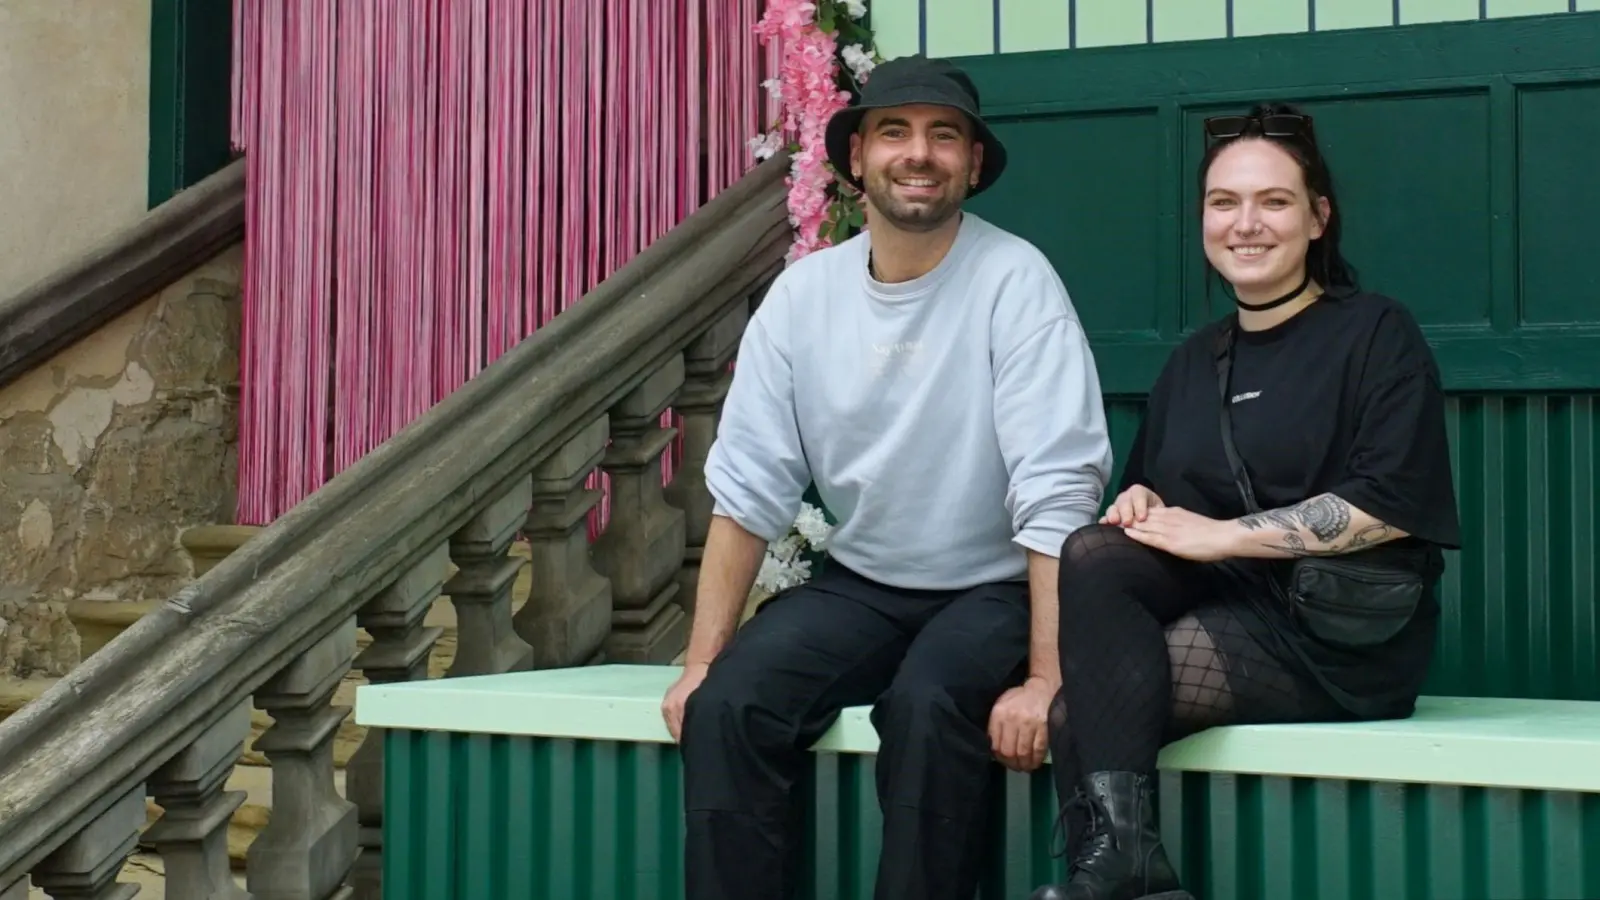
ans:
(470, 817)
(1522, 597)
(1244, 837)
(1522, 594)
(845, 826)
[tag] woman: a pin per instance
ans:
(1302, 590)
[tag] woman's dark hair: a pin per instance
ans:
(1326, 265)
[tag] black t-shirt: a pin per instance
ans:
(1343, 398)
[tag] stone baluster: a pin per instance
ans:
(309, 846)
(486, 644)
(706, 383)
(641, 550)
(568, 613)
(192, 835)
(399, 651)
(87, 865)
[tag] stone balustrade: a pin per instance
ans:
(163, 711)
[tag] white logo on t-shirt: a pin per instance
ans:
(896, 355)
(1247, 395)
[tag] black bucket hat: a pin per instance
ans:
(915, 79)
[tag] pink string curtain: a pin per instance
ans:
(430, 181)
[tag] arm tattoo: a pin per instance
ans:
(1327, 518)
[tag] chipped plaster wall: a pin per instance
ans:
(74, 128)
(107, 453)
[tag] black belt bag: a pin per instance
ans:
(1351, 600)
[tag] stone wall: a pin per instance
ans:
(107, 453)
(74, 129)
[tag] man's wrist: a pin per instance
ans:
(1051, 680)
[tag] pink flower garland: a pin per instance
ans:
(808, 88)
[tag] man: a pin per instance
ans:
(932, 379)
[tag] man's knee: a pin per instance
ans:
(925, 713)
(727, 710)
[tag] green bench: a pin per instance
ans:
(565, 784)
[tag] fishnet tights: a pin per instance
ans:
(1150, 654)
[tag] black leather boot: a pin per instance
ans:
(1120, 857)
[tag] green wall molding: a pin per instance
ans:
(971, 27)
(1459, 151)
(191, 48)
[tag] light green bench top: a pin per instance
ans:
(1532, 744)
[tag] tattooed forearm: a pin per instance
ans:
(1325, 525)
(1325, 516)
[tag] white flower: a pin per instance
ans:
(787, 547)
(764, 145)
(855, 8)
(778, 576)
(859, 61)
(813, 526)
(774, 88)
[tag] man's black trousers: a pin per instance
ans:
(931, 663)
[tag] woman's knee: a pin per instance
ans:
(1091, 544)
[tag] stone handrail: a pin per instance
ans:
(120, 272)
(158, 709)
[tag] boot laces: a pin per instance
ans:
(1080, 800)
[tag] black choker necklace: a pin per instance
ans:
(1274, 304)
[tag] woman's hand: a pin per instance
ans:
(1131, 506)
(1186, 534)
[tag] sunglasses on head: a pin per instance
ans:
(1285, 125)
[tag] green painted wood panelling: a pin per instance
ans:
(1421, 12)
(1103, 23)
(1496, 9)
(1522, 597)
(1188, 20)
(897, 26)
(1025, 25)
(962, 29)
(191, 48)
(1459, 151)
(1332, 15)
(1253, 17)
(966, 27)
(1244, 837)
(476, 816)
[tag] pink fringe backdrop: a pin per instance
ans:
(430, 181)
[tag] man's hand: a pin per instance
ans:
(1019, 725)
(1188, 534)
(678, 696)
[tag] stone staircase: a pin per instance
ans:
(98, 622)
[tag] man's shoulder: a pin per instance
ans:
(804, 280)
(825, 262)
(1007, 250)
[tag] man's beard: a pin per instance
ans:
(914, 216)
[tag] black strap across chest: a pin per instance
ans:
(1224, 367)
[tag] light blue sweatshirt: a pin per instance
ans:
(948, 422)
